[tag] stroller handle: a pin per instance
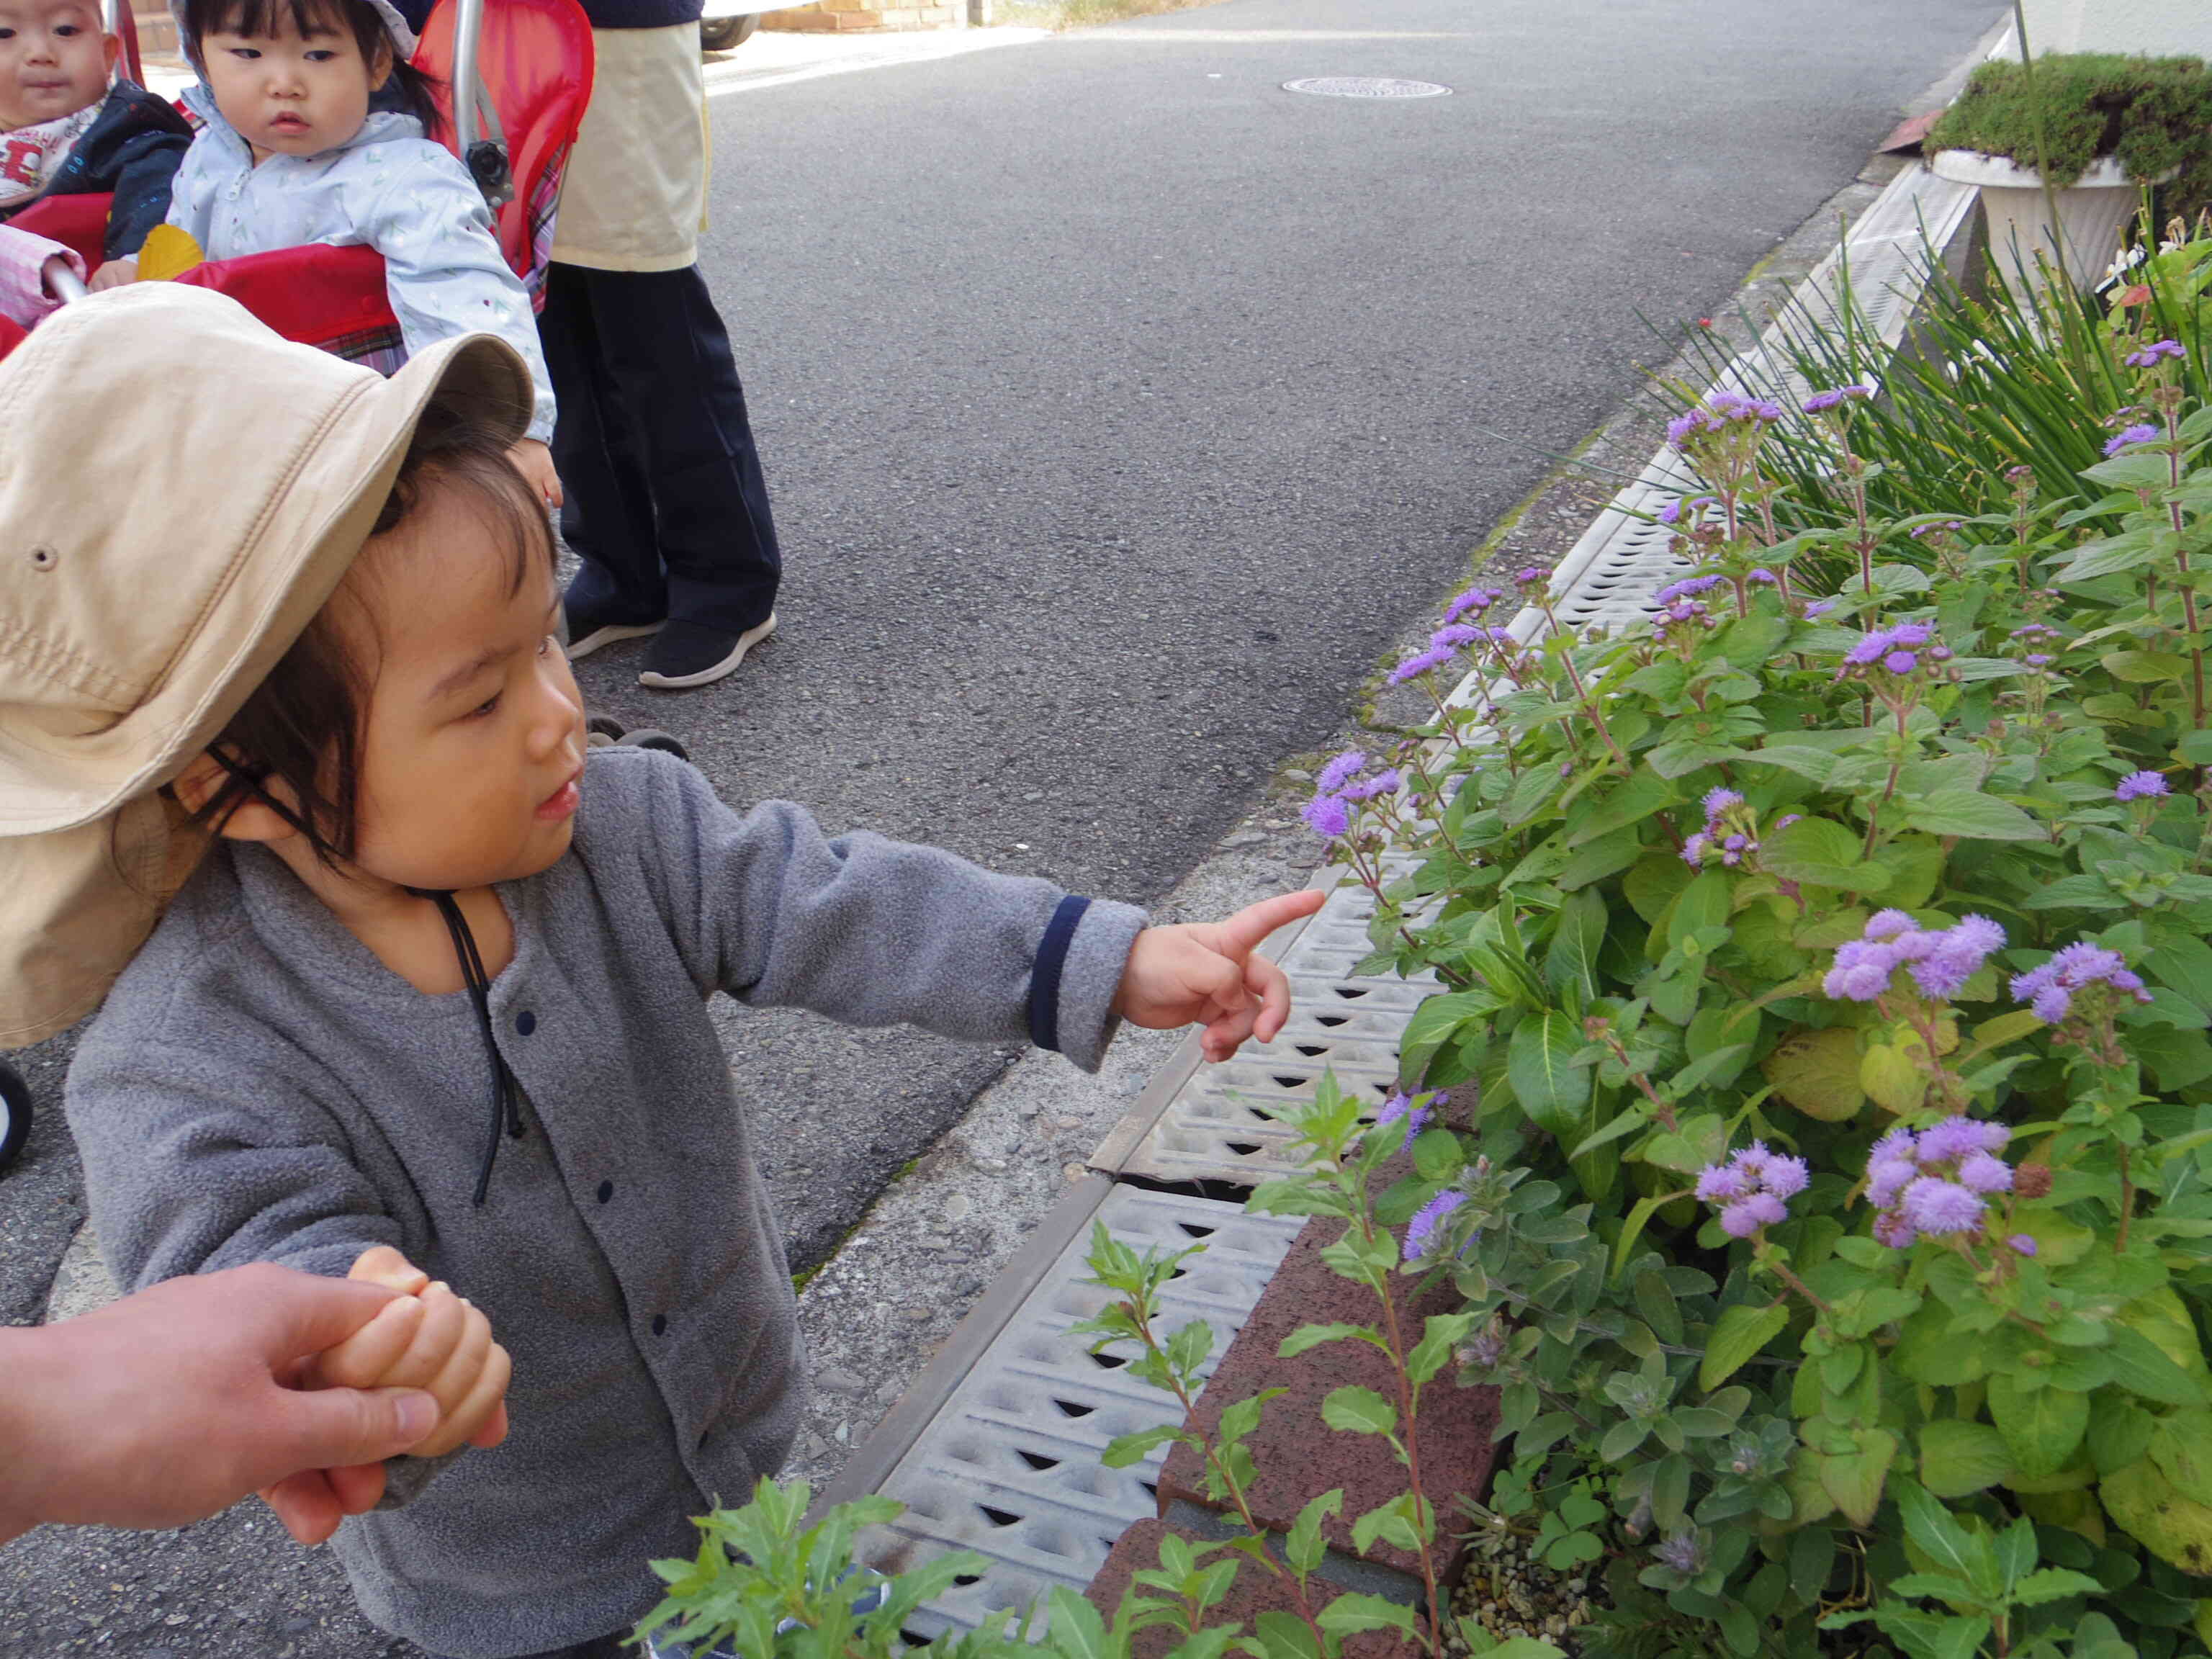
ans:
(66, 284)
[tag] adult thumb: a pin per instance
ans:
(336, 1428)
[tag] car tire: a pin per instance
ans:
(15, 1114)
(724, 33)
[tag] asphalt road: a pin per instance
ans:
(1119, 406)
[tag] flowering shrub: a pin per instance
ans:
(1829, 958)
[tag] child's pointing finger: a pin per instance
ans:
(1241, 934)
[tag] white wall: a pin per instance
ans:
(2158, 28)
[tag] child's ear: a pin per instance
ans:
(111, 45)
(380, 68)
(249, 820)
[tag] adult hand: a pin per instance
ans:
(173, 1404)
(1209, 972)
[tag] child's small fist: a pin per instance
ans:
(429, 1339)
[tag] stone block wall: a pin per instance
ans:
(844, 16)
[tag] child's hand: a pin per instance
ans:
(116, 273)
(430, 1338)
(1207, 971)
(535, 461)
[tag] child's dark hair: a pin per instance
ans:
(303, 725)
(409, 90)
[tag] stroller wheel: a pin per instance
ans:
(646, 737)
(15, 1114)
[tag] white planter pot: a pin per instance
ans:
(2093, 211)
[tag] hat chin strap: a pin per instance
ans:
(506, 1094)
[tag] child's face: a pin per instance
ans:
(54, 61)
(473, 736)
(288, 94)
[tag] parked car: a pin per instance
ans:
(722, 26)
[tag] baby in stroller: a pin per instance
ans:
(65, 131)
(318, 129)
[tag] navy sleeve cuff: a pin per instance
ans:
(1051, 961)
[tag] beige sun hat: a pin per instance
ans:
(181, 490)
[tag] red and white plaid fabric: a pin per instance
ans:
(23, 296)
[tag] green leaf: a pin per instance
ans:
(2145, 667)
(1391, 1523)
(1822, 852)
(1630, 803)
(1357, 1410)
(1306, 1546)
(1355, 1610)
(2041, 1427)
(1440, 1335)
(1941, 1539)
(1124, 1450)
(1818, 1073)
(1078, 1631)
(2051, 1583)
(1577, 937)
(2141, 1367)
(1892, 1078)
(1854, 1479)
(1312, 1336)
(2181, 1446)
(1958, 1459)
(1440, 1020)
(1973, 815)
(1740, 1332)
(1554, 1092)
(1817, 764)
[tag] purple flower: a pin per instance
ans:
(1763, 576)
(1693, 850)
(1787, 819)
(1819, 608)
(1719, 1182)
(1901, 662)
(1891, 1228)
(1737, 1220)
(1399, 1105)
(2140, 785)
(1981, 1173)
(1718, 801)
(1382, 783)
(1680, 1551)
(1978, 932)
(1477, 599)
(2023, 1242)
(1420, 663)
(1898, 1143)
(1422, 1227)
(1937, 1206)
(1786, 1178)
(2037, 659)
(2128, 436)
(1685, 427)
(1534, 575)
(2148, 357)
(1688, 588)
(1327, 814)
(2049, 989)
(1453, 635)
(1954, 1138)
(1886, 1177)
(1670, 514)
(1887, 924)
(1340, 771)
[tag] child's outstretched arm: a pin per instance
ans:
(1211, 973)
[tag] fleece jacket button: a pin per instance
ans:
(606, 1191)
(526, 1022)
(660, 1324)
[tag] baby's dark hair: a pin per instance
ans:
(304, 725)
(410, 90)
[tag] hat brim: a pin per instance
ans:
(309, 533)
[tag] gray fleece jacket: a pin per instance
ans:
(260, 1088)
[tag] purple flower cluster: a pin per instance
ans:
(2050, 990)
(1340, 771)
(2148, 357)
(1821, 401)
(2127, 437)
(1400, 1104)
(1819, 608)
(1328, 816)
(1673, 513)
(1533, 578)
(1751, 1189)
(2140, 785)
(1421, 1231)
(1339, 784)
(1688, 588)
(1897, 648)
(1941, 960)
(1717, 413)
(1729, 844)
(1386, 782)
(1420, 663)
(1475, 601)
(1936, 1181)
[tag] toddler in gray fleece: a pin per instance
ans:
(432, 1005)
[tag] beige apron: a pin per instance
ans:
(635, 196)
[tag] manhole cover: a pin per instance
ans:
(1365, 86)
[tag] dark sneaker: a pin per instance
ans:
(591, 627)
(688, 654)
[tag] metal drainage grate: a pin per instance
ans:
(1365, 86)
(1010, 1466)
